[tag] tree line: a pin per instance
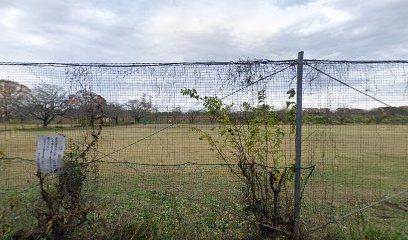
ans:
(49, 103)
(380, 115)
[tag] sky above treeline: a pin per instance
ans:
(202, 30)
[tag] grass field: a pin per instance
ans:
(355, 165)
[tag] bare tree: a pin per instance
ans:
(139, 108)
(86, 106)
(192, 115)
(46, 102)
(114, 111)
(12, 95)
(176, 115)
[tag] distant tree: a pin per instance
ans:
(348, 115)
(46, 102)
(176, 115)
(139, 108)
(192, 115)
(12, 95)
(113, 111)
(87, 106)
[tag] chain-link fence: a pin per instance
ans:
(355, 144)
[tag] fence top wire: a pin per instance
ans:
(152, 64)
(130, 65)
(353, 62)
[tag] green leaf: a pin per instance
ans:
(291, 93)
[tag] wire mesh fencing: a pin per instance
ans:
(355, 144)
(355, 132)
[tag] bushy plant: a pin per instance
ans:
(254, 148)
(65, 202)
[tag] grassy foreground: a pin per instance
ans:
(355, 165)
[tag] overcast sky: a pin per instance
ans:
(201, 30)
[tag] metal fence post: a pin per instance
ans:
(298, 145)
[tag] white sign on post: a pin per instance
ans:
(50, 154)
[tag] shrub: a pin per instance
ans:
(65, 202)
(255, 150)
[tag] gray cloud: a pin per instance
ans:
(181, 30)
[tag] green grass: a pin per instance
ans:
(168, 215)
(386, 221)
(355, 165)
